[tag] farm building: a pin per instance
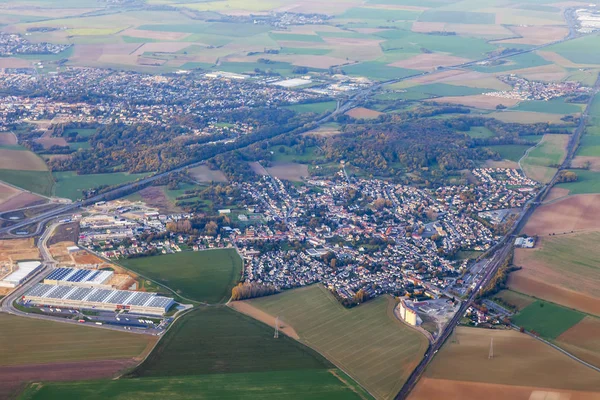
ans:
(526, 242)
(24, 270)
(99, 299)
(79, 277)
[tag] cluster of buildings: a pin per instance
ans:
(13, 43)
(524, 89)
(368, 236)
(373, 235)
(99, 96)
(588, 19)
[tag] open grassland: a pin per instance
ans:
(516, 299)
(206, 276)
(317, 108)
(578, 50)
(216, 340)
(519, 361)
(320, 384)
(40, 182)
(537, 164)
(367, 342)
(563, 269)
(71, 186)
(554, 106)
(588, 182)
(512, 152)
(583, 340)
(31, 341)
(549, 320)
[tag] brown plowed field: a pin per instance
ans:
(13, 378)
(519, 360)
(363, 113)
(530, 283)
(289, 171)
(562, 269)
(574, 213)
(583, 340)
(23, 199)
(556, 193)
(428, 389)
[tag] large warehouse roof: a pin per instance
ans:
(104, 296)
(25, 268)
(76, 275)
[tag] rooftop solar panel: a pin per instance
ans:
(140, 299)
(100, 295)
(61, 292)
(80, 293)
(120, 297)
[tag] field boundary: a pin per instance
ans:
(304, 343)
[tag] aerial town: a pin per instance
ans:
(367, 235)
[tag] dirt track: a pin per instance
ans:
(246, 308)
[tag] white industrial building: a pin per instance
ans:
(24, 270)
(100, 299)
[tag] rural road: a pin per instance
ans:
(501, 254)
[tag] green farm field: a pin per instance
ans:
(554, 106)
(550, 151)
(367, 341)
(587, 182)
(40, 182)
(512, 152)
(318, 384)
(569, 262)
(205, 276)
(547, 319)
(71, 186)
(32, 341)
(479, 132)
(218, 340)
(317, 108)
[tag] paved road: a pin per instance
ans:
(501, 252)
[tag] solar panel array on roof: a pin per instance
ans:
(59, 274)
(40, 290)
(140, 299)
(76, 275)
(59, 292)
(80, 293)
(101, 297)
(159, 301)
(119, 297)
